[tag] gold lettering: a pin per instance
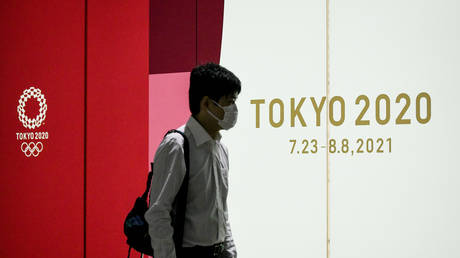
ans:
(281, 105)
(257, 102)
(296, 112)
(318, 109)
(387, 109)
(428, 108)
(342, 111)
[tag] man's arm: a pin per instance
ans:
(230, 249)
(168, 174)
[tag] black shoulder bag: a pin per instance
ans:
(136, 228)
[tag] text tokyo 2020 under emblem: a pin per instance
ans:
(32, 144)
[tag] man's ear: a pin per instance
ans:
(204, 103)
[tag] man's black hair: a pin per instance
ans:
(211, 80)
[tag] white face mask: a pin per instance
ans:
(230, 116)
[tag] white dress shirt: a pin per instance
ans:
(206, 217)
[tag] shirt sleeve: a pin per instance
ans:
(230, 249)
(168, 174)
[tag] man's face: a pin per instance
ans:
(223, 101)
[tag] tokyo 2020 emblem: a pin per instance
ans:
(28, 147)
(38, 120)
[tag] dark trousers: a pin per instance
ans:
(215, 251)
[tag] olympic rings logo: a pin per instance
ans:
(31, 148)
(25, 120)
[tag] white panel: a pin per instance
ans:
(404, 203)
(277, 200)
(401, 203)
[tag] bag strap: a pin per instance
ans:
(181, 197)
(149, 180)
(186, 157)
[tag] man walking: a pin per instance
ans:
(212, 95)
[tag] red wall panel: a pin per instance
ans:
(184, 33)
(117, 119)
(43, 45)
(41, 198)
(172, 36)
(210, 20)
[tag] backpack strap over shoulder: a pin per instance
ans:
(181, 197)
(149, 181)
(186, 157)
(135, 226)
(180, 201)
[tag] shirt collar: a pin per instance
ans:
(199, 133)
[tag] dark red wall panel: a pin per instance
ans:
(209, 30)
(117, 119)
(184, 33)
(41, 198)
(172, 36)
